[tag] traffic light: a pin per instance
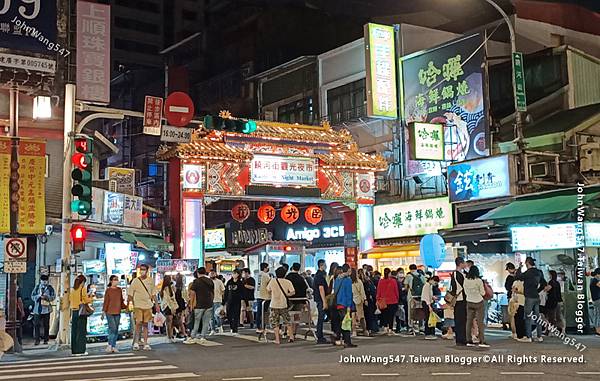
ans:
(78, 236)
(243, 126)
(82, 176)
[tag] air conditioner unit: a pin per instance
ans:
(589, 157)
(537, 170)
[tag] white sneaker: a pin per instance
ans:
(108, 349)
(136, 347)
(234, 334)
(471, 344)
(430, 337)
(524, 340)
(212, 333)
(190, 340)
(172, 340)
(484, 345)
(220, 330)
(540, 339)
(115, 350)
(147, 347)
(514, 336)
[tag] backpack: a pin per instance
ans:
(417, 285)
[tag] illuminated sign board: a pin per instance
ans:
(380, 58)
(192, 176)
(412, 218)
(311, 233)
(592, 234)
(479, 179)
(118, 258)
(214, 239)
(283, 170)
(427, 141)
(547, 237)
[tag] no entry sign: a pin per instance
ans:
(179, 109)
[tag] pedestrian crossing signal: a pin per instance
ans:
(78, 236)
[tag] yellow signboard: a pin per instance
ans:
(5, 148)
(32, 193)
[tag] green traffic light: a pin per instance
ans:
(81, 175)
(249, 127)
(81, 190)
(81, 207)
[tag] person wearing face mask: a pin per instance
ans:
(414, 287)
(142, 293)
(111, 310)
(233, 298)
(427, 301)
(42, 295)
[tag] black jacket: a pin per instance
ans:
(533, 282)
(554, 295)
(508, 283)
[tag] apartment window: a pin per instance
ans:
(136, 25)
(297, 112)
(347, 102)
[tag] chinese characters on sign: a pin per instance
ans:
(556, 236)
(240, 212)
(132, 214)
(28, 63)
(381, 71)
(153, 107)
(412, 218)
(365, 188)
(29, 25)
(519, 74)
(32, 191)
(113, 208)
(479, 179)
(313, 214)
(5, 153)
(290, 213)
(93, 52)
(266, 213)
(445, 86)
(283, 170)
(427, 141)
(121, 180)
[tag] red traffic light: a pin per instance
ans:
(82, 145)
(81, 160)
(78, 233)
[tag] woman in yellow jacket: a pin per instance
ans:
(77, 297)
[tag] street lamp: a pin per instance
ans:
(42, 107)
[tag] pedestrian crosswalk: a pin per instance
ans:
(123, 366)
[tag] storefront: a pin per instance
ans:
(274, 174)
(398, 228)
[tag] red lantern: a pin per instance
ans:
(290, 214)
(313, 214)
(240, 212)
(266, 213)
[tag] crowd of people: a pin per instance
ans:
(355, 301)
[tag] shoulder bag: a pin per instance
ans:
(85, 309)
(289, 304)
(148, 292)
(451, 295)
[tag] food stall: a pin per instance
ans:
(276, 253)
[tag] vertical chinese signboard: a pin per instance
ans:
(444, 85)
(426, 141)
(381, 71)
(93, 52)
(5, 148)
(32, 192)
(153, 107)
(519, 74)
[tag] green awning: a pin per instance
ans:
(548, 207)
(147, 242)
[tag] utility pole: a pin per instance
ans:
(65, 275)
(13, 324)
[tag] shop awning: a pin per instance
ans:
(532, 209)
(147, 242)
(392, 251)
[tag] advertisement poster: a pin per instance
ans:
(412, 218)
(113, 208)
(381, 71)
(426, 141)
(365, 188)
(283, 170)
(445, 85)
(556, 236)
(118, 258)
(93, 52)
(132, 211)
(214, 239)
(479, 179)
(5, 148)
(32, 187)
(29, 26)
(121, 180)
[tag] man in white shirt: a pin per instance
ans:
(219, 290)
(142, 293)
(263, 298)
(280, 289)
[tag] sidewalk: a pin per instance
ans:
(31, 351)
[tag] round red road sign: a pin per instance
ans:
(179, 109)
